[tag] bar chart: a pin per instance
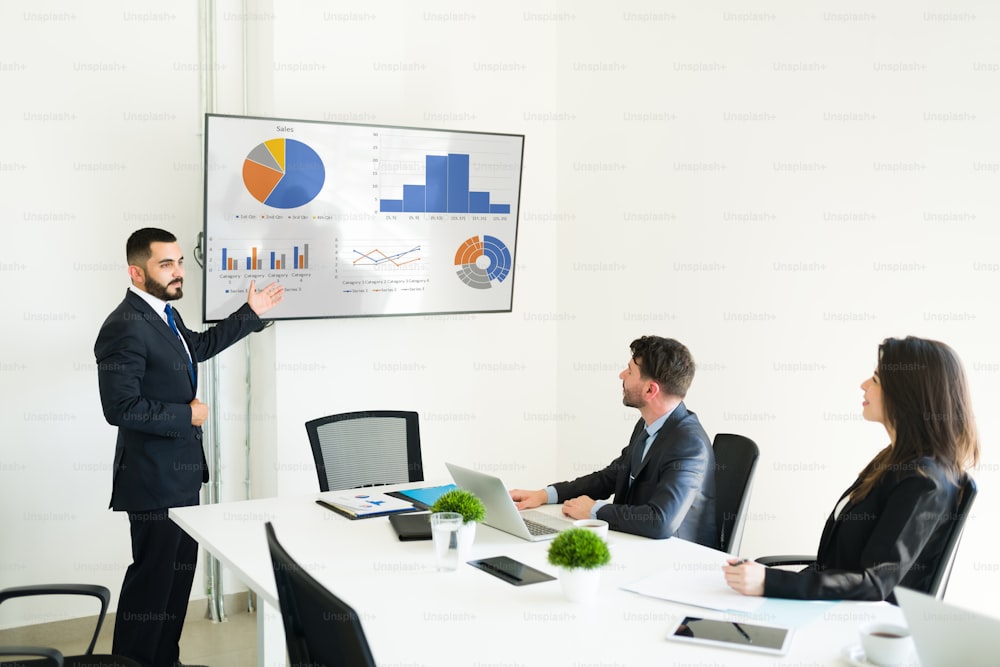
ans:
(445, 190)
(270, 257)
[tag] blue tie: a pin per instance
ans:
(173, 327)
(640, 448)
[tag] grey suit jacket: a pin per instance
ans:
(673, 494)
(145, 386)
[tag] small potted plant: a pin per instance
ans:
(579, 553)
(472, 510)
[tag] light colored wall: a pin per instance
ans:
(779, 187)
(484, 384)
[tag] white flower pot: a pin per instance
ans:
(466, 536)
(580, 584)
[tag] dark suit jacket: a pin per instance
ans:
(673, 494)
(893, 536)
(146, 389)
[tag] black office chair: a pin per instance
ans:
(939, 581)
(367, 448)
(735, 464)
(321, 630)
(51, 656)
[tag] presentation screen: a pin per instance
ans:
(359, 220)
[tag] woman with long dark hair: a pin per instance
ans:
(891, 525)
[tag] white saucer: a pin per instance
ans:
(856, 656)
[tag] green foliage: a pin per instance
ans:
(464, 502)
(579, 548)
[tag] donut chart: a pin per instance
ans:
(283, 173)
(482, 261)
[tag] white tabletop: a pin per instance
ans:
(414, 615)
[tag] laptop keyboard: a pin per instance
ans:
(536, 528)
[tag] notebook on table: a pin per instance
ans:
(411, 527)
(363, 504)
(501, 512)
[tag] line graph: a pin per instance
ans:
(381, 258)
(376, 256)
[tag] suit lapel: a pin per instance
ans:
(672, 421)
(639, 440)
(833, 525)
(154, 320)
(183, 332)
(623, 487)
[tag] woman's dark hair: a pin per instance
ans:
(925, 397)
(665, 361)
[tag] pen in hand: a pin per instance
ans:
(745, 576)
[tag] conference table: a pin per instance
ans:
(413, 614)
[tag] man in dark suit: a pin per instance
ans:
(147, 367)
(664, 480)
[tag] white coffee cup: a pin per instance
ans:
(598, 526)
(886, 643)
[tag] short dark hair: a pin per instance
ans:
(137, 248)
(666, 362)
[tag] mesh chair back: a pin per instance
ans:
(364, 448)
(939, 583)
(735, 464)
(321, 630)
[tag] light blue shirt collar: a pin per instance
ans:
(654, 428)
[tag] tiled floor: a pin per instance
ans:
(231, 643)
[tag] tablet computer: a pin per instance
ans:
(733, 634)
(512, 571)
(423, 497)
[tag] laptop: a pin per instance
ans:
(501, 512)
(946, 635)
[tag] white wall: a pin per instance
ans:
(779, 186)
(408, 65)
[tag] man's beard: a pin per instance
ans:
(629, 400)
(159, 290)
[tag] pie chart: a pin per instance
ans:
(482, 261)
(283, 173)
